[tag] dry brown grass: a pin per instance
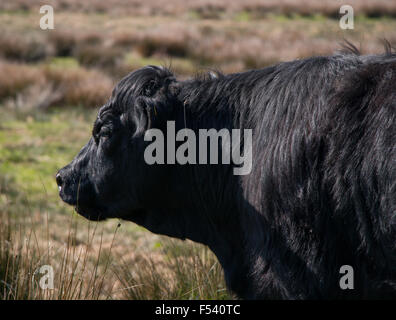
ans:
(79, 87)
(104, 48)
(15, 78)
(208, 9)
(206, 43)
(19, 48)
(29, 87)
(24, 252)
(92, 261)
(63, 42)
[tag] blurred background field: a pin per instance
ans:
(51, 85)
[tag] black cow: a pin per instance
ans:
(321, 193)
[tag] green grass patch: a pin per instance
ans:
(243, 16)
(33, 149)
(64, 62)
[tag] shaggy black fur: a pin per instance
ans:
(321, 194)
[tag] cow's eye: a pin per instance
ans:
(105, 132)
(102, 132)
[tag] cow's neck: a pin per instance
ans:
(205, 211)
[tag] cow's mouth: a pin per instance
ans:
(87, 209)
(93, 214)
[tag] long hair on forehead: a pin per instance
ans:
(142, 82)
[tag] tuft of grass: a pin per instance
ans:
(15, 78)
(165, 45)
(63, 42)
(181, 66)
(19, 48)
(187, 272)
(79, 86)
(90, 56)
(40, 87)
(23, 259)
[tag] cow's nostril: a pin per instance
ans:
(59, 180)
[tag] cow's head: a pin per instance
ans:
(109, 178)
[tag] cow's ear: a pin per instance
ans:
(154, 109)
(156, 112)
(140, 116)
(174, 90)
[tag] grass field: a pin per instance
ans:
(51, 84)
